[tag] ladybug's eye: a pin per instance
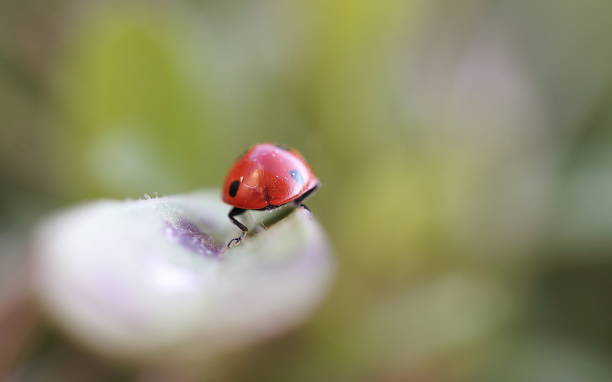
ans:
(233, 188)
(295, 174)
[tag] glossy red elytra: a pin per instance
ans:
(267, 176)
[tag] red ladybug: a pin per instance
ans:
(267, 176)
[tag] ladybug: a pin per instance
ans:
(267, 176)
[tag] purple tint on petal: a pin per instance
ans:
(191, 237)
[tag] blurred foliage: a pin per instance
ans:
(463, 149)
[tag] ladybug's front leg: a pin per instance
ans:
(232, 215)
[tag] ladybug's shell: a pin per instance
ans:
(267, 176)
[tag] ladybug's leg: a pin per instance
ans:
(299, 201)
(303, 206)
(232, 215)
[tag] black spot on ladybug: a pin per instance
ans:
(295, 174)
(282, 147)
(233, 188)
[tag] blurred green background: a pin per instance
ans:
(465, 151)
